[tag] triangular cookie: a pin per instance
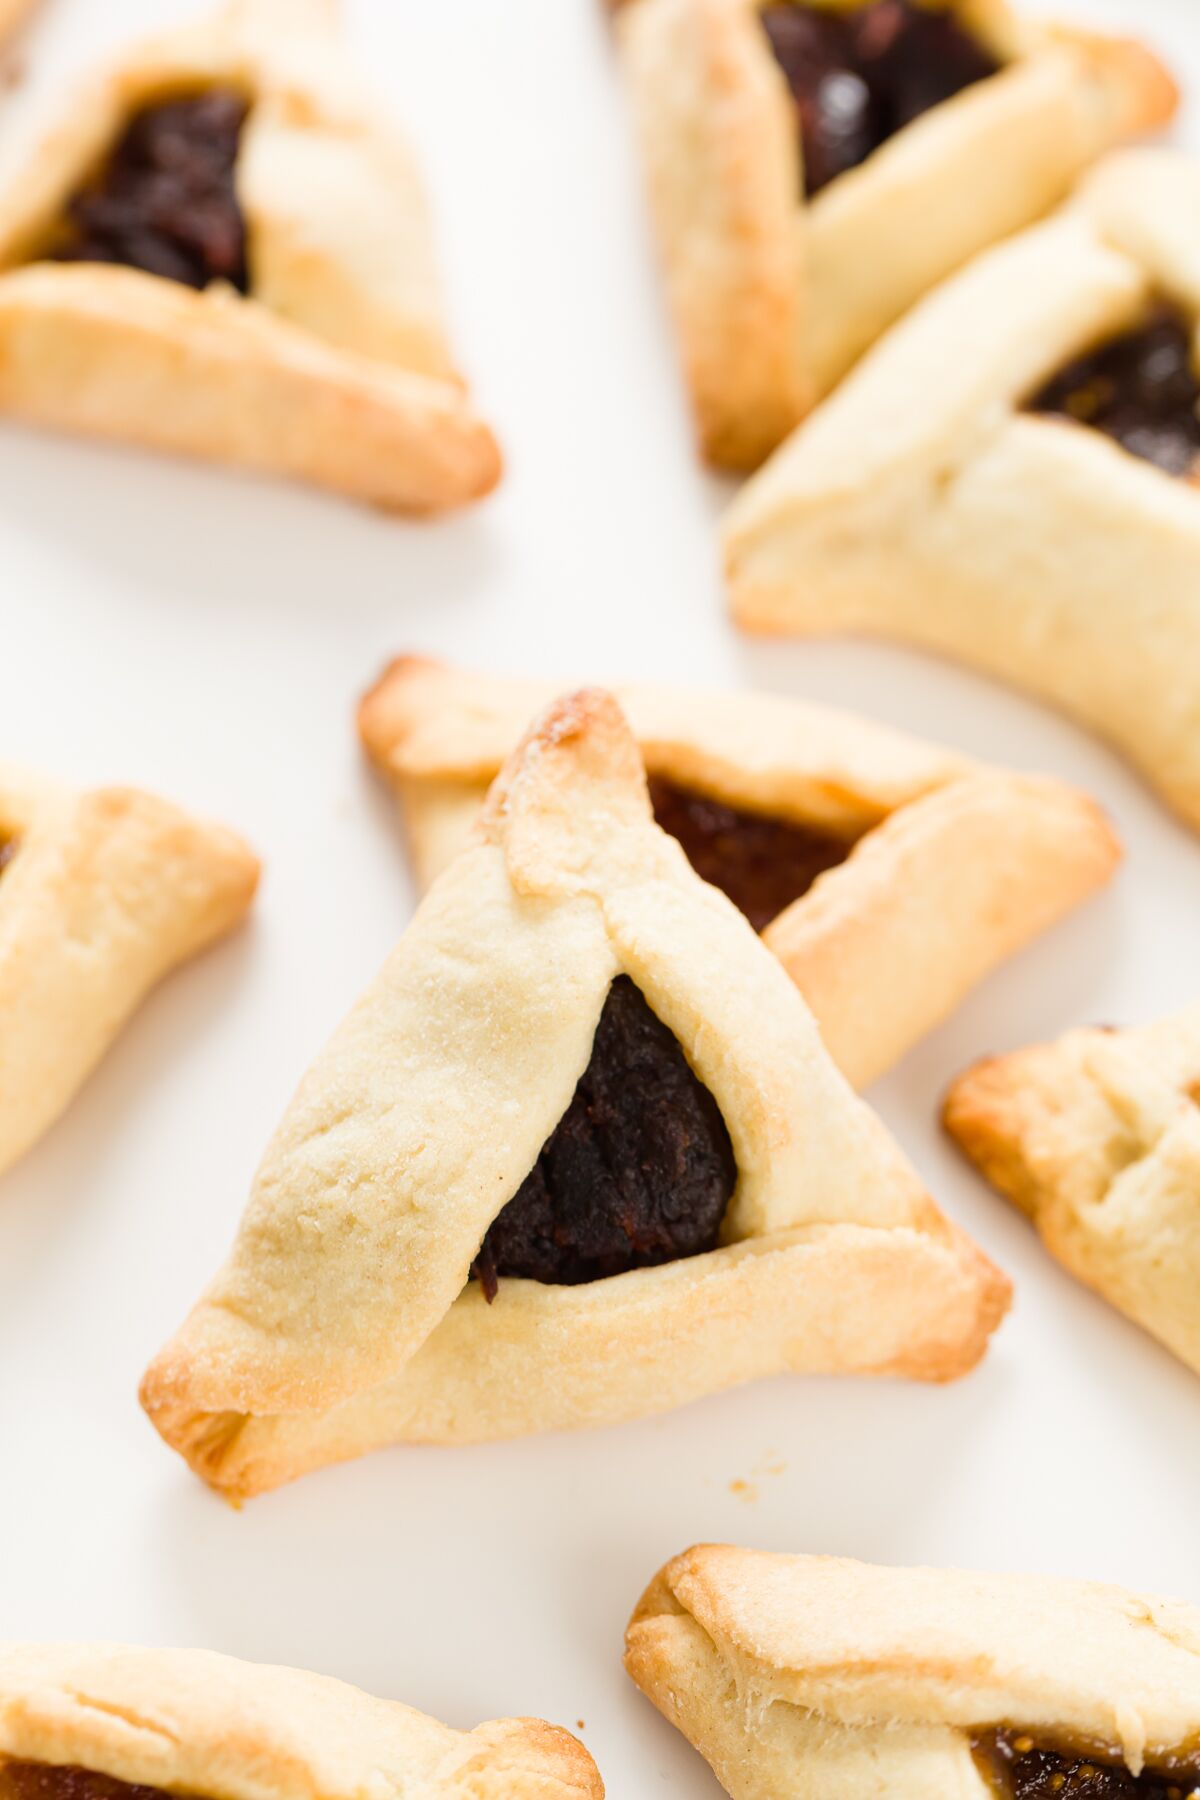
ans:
(820, 1679)
(1097, 1138)
(115, 1722)
(574, 1023)
(224, 251)
(815, 168)
(954, 494)
(101, 894)
(889, 875)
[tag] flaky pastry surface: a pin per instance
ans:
(191, 1722)
(810, 1676)
(954, 866)
(336, 368)
(345, 1319)
(104, 894)
(776, 296)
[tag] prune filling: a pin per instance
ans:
(51, 1781)
(638, 1171)
(165, 200)
(858, 77)
(1020, 1768)
(1139, 388)
(8, 849)
(762, 863)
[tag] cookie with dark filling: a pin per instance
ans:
(814, 1676)
(582, 1077)
(941, 498)
(816, 167)
(112, 1722)
(887, 874)
(224, 251)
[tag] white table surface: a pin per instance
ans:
(205, 635)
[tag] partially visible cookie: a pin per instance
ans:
(888, 874)
(110, 1722)
(1011, 476)
(101, 894)
(1097, 1138)
(815, 1678)
(814, 169)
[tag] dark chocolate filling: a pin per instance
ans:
(8, 849)
(762, 863)
(54, 1781)
(1139, 388)
(1020, 1768)
(638, 1171)
(858, 77)
(165, 200)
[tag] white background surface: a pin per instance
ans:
(183, 629)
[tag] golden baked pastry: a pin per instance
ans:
(819, 1679)
(1009, 476)
(13, 14)
(815, 166)
(1097, 1139)
(577, 1155)
(889, 875)
(224, 251)
(109, 1722)
(101, 894)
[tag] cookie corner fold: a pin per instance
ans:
(529, 1759)
(1000, 1113)
(1139, 92)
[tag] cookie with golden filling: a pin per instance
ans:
(816, 166)
(995, 479)
(577, 1155)
(1097, 1139)
(101, 895)
(811, 1676)
(224, 251)
(888, 874)
(110, 1722)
